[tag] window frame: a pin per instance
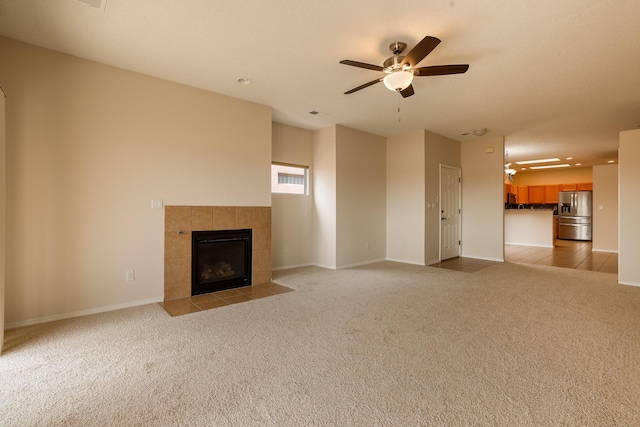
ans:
(292, 165)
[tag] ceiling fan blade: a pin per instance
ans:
(440, 70)
(361, 65)
(407, 92)
(363, 86)
(420, 51)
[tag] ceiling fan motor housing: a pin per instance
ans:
(394, 64)
(397, 47)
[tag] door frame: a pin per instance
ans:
(459, 169)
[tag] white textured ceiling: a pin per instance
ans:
(557, 78)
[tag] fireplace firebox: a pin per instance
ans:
(221, 259)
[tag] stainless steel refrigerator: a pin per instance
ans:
(574, 215)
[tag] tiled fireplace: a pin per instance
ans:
(181, 221)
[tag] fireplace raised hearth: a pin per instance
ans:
(221, 259)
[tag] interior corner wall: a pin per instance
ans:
(406, 198)
(88, 147)
(482, 199)
(629, 206)
(292, 226)
(3, 212)
(323, 176)
(605, 208)
(439, 150)
(360, 197)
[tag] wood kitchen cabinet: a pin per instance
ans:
(585, 186)
(536, 194)
(508, 188)
(568, 187)
(522, 194)
(551, 193)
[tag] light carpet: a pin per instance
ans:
(386, 344)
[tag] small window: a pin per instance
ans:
(289, 179)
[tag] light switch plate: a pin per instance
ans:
(156, 204)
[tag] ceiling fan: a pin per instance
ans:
(400, 69)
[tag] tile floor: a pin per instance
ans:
(566, 253)
(188, 305)
(467, 265)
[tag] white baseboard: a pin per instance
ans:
(609, 251)
(328, 267)
(629, 283)
(404, 261)
(81, 313)
(358, 264)
(287, 267)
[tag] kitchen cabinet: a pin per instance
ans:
(536, 194)
(523, 194)
(585, 186)
(551, 194)
(508, 189)
(568, 187)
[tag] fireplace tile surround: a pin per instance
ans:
(185, 219)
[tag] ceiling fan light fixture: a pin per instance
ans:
(398, 80)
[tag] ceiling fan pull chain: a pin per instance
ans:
(399, 118)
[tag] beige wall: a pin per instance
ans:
(605, 208)
(3, 212)
(406, 198)
(88, 147)
(361, 197)
(482, 199)
(438, 151)
(323, 176)
(553, 176)
(629, 205)
(292, 230)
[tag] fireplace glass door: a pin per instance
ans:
(220, 260)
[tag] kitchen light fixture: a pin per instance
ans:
(245, 81)
(480, 131)
(398, 80)
(530, 162)
(564, 165)
(611, 161)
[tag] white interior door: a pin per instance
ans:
(450, 212)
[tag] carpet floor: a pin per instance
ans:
(385, 344)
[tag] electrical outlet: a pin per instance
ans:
(130, 275)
